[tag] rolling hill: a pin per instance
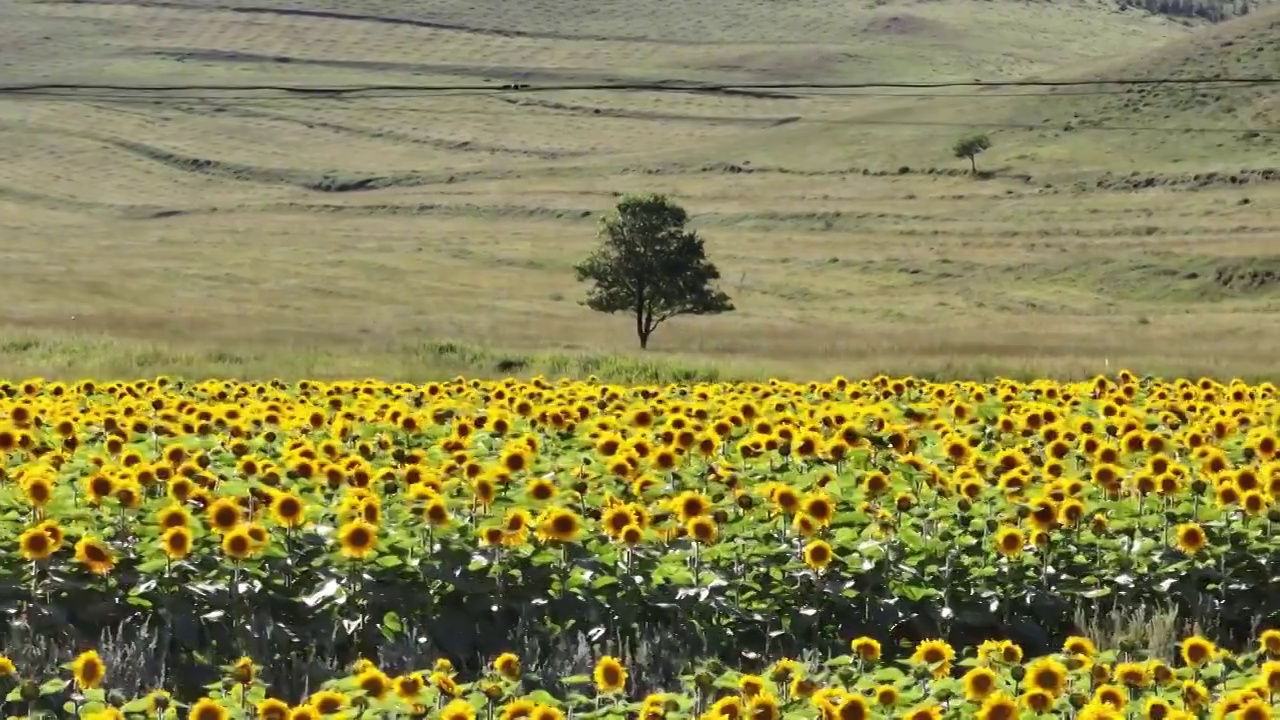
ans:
(1078, 130)
(345, 226)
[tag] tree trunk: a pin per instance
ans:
(973, 163)
(642, 329)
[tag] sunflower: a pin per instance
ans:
(804, 525)
(288, 509)
(609, 675)
(518, 709)
(1079, 645)
(1157, 708)
(1255, 709)
(818, 555)
(94, 554)
(327, 702)
(208, 709)
(238, 544)
(1079, 662)
(373, 683)
(887, 696)
(437, 512)
(989, 651)
(157, 701)
(546, 712)
(38, 490)
(1099, 711)
(631, 535)
(978, 683)
(665, 459)
(243, 671)
(763, 707)
(7, 668)
(1043, 514)
(54, 531)
(410, 686)
(259, 535)
(272, 709)
(936, 654)
(876, 483)
(516, 459)
(1269, 643)
(99, 487)
(1009, 541)
(702, 529)
(508, 666)
(751, 685)
(540, 489)
(224, 514)
(1038, 701)
(1048, 675)
(491, 536)
(559, 524)
(180, 489)
(867, 649)
(924, 712)
(176, 542)
(1113, 695)
(357, 539)
(785, 669)
(730, 706)
(616, 519)
(1134, 675)
(826, 700)
(1161, 674)
(690, 504)
(35, 544)
(517, 521)
(1269, 674)
(820, 508)
(853, 707)
(173, 516)
(998, 706)
(803, 687)
(1195, 696)
(88, 669)
(1190, 538)
(458, 710)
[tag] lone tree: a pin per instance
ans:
(970, 147)
(648, 264)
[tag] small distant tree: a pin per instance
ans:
(648, 264)
(970, 147)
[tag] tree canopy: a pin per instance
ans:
(650, 265)
(970, 147)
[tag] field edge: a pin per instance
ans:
(68, 357)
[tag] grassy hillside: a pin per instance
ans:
(205, 231)
(738, 40)
(1066, 133)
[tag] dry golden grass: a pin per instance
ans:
(201, 232)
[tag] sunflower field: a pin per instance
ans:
(887, 547)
